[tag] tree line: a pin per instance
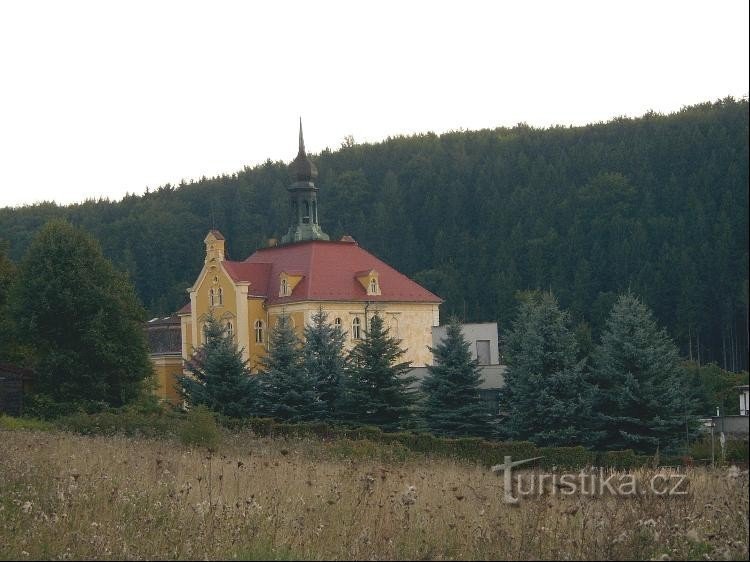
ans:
(657, 205)
(631, 392)
(68, 313)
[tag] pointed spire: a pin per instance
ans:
(302, 169)
(301, 139)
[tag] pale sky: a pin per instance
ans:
(102, 98)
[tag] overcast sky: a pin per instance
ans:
(103, 98)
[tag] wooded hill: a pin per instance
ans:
(657, 204)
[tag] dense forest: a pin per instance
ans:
(657, 204)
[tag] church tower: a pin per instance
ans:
(303, 199)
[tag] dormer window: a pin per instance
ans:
(369, 281)
(287, 282)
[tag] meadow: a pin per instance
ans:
(68, 496)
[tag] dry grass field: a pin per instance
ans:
(64, 496)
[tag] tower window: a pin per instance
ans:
(258, 331)
(356, 325)
(306, 218)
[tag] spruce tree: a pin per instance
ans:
(288, 391)
(81, 318)
(452, 404)
(220, 380)
(324, 360)
(547, 396)
(378, 391)
(642, 401)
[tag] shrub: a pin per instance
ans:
(736, 450)
(200, 429)
(13, 424)
(123, 422)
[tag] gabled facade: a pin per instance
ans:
(305, 272)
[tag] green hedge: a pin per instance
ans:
(472, 449)
(178, 425)
(736, 450)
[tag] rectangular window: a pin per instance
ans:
(483, 352)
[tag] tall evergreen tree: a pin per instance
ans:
(221, 379)
(82, 318)
(379, 391)
(452, 404)
(325, 361)
(642, 400)
(547, 396)
(288, 390)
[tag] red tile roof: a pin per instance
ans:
(256, 273)
(329, 271)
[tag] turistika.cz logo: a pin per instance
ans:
(586, 483)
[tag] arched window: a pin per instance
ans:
(258, 331)
(211, 297)
(306, 218)
(230, 330)
(373, 286)
(315, 212)
(356, 329)
(204, 333)
(284, 288)
(220, 296)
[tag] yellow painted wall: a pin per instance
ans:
(412, 322)
(256, 311)
(186, 328)
(229, 304)
(167, 369)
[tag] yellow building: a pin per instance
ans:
(296, 277)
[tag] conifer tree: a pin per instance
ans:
(288, 391)
(221, 380)
(452, 404)
(547, 396)
(378, 392)
(642, 400)
(82, 319)
(325, 361)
